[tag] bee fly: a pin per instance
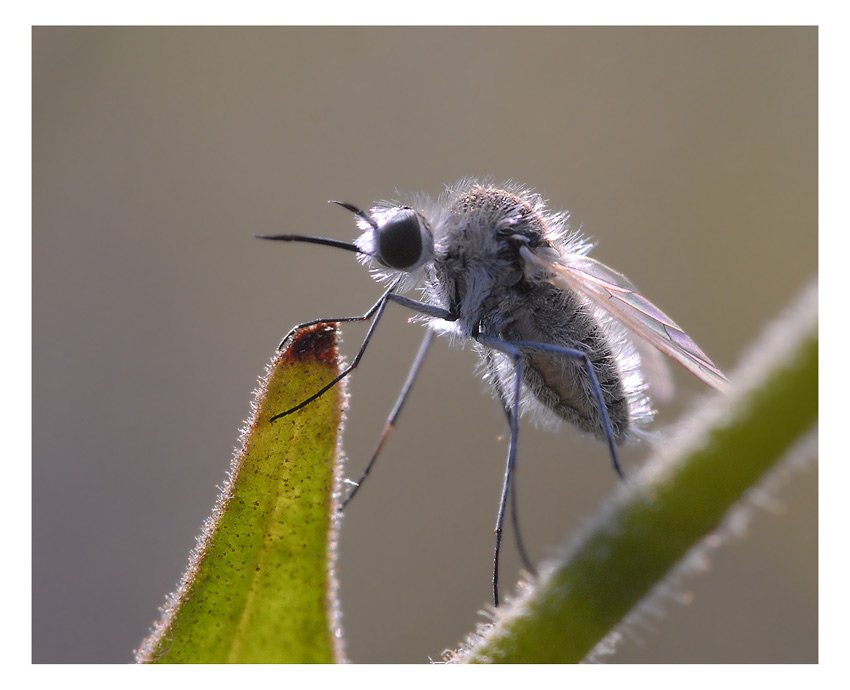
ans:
(559, 334)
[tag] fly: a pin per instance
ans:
(560, 335)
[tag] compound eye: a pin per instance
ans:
(400, 240)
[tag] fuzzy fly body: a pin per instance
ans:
(559, 334)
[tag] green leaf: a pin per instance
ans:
(714, 460)
(260, 586)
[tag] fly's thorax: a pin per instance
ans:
(477, 264)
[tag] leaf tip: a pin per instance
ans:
(317, 343)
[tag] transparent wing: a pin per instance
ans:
(656, 371)
(616, 294)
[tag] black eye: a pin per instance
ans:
(400, 240)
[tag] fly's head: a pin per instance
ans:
(403, 239)
(398, 238)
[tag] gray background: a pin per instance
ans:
(689, 154)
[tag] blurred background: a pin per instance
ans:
(689, 154)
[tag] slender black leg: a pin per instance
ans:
(342, 319)
(520, 544)
(513, 349)
(511, 463)
(422, 307)
(523, 553)
(510, 403)
(391, 420)
(504, 398)
(374, 313)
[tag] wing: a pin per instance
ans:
(656, 371)
(616, 294)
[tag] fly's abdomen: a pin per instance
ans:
(561, 382)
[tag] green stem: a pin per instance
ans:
(716, 457)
